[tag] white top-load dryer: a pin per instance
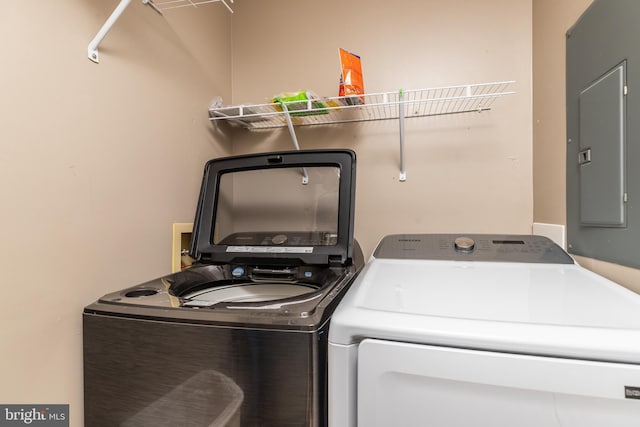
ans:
(483, 330)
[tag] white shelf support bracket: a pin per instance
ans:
(153, 6)
(294, 138)
(92, 50)
(403, 173)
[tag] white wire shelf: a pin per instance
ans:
(376, 106)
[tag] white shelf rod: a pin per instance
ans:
(92, 50)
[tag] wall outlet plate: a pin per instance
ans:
(181, 239)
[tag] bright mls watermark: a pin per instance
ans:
(34, 415)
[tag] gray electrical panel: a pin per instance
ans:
(601, 151)
(603, 127)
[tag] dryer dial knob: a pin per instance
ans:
(464, 244)
(279, 239)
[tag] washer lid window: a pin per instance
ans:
(286, 208)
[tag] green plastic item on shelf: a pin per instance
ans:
(297, 103)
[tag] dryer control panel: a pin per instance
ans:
(472, 247)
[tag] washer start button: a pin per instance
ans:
(464, 244)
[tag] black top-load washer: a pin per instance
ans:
(240, 338)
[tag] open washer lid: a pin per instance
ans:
(282, 208)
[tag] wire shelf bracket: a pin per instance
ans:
(158, 6)
(403, 172)
(294, 138)
(399, 105)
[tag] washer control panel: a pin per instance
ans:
(472, 247)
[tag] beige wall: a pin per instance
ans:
(551, 20)
(467, 173)
(96, 163)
